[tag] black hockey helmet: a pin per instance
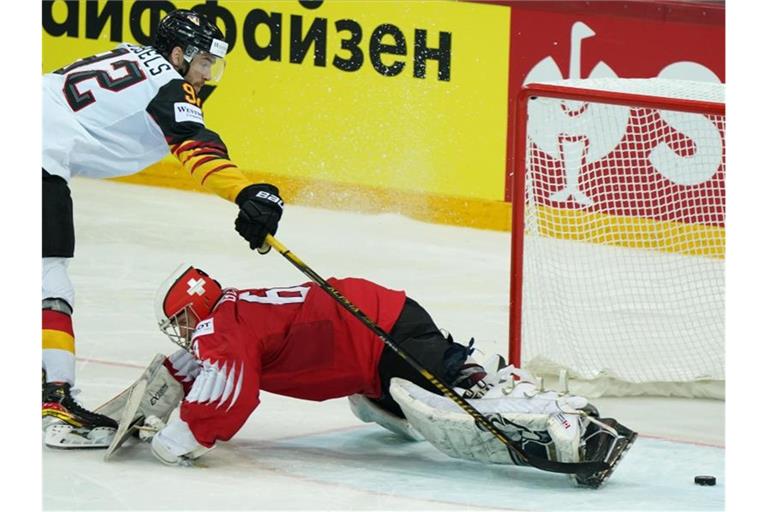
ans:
(192, 32)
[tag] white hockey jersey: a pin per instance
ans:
(117, 112)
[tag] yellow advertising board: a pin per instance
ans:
(398, 105)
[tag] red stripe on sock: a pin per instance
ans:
(57, 321)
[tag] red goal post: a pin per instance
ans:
(618, 234)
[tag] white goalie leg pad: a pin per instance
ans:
(565, 424)
(367, 411)
(525, 420)
(162, 396)
(504, 386)
(566, 431)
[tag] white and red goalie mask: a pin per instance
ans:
(185, 298)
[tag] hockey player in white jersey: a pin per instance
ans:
(113, 114)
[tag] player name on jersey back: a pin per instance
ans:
(96, 121)
(154, 63)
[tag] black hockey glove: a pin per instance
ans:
(260, 210)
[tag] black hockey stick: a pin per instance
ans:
(515, 449)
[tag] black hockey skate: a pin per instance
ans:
(607, 441)
(59, 404)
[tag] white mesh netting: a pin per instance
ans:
(624, 247)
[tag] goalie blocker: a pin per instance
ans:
(156, 393)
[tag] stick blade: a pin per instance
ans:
(128, 419)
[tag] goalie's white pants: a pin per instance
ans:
(525, 415)
(59, 364)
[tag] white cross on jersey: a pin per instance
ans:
(196, 287)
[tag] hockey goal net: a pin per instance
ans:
(618, 243)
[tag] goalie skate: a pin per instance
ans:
(129, 420)
(609, 442)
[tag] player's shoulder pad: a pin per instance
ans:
(227, 295)
(177, 110)
(187, 106)
(179, 89)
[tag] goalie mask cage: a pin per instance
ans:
(618, 235)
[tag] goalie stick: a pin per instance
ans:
(591, 474)
(128, 420)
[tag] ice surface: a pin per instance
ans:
(295, 455)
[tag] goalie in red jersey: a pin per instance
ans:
(298, 341)
(293, 341)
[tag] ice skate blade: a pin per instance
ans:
(63, 436)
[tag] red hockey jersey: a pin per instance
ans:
(294, 341)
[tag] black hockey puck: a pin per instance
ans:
(705, 480)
